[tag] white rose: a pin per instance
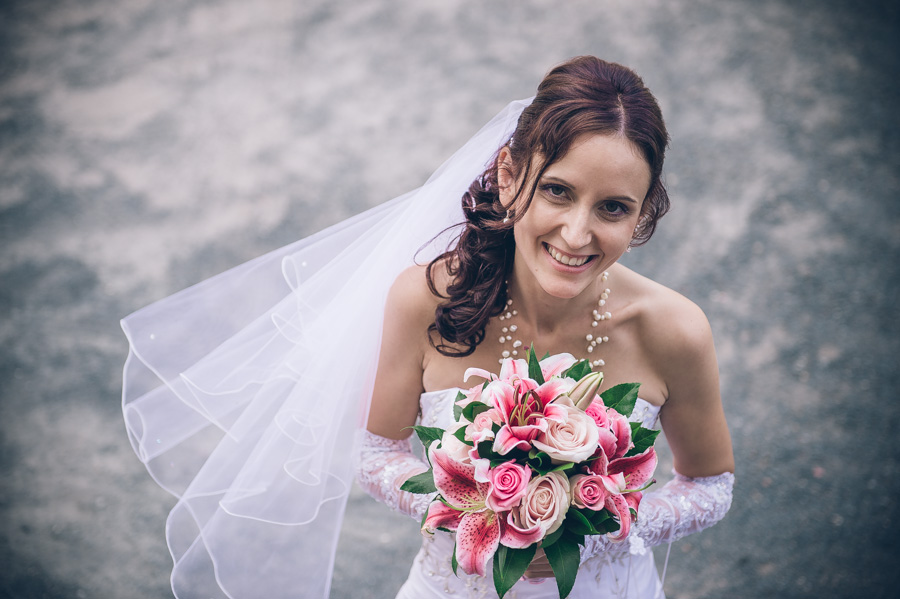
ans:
(573, 440)
(455, 448)
(545, 503)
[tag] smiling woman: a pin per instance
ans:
(574, 187)
(233, 402)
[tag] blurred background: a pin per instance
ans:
(145, 146)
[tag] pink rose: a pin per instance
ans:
(472, 394)
(597, 411)
(482, 428)
(572, 440)
(544, 505)
(508, 483)
(588, 491)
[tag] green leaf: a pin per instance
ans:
(457, 409)
(643, 439)
(486, 451)
(473, 409)
(577, 523)
(564, 557)
(453, 563)
(534, 367)
(420, 484)
(553, 537)
(563, 467)
(460, 434)
(611, 525)
(510, 565)
(621, 398)
(597, 518)
(428, 434)
(540, 462)
(578, 370)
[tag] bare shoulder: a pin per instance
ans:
(411, 292)
(411, 305)
(674, 328)
(398, 381)
(676, 336)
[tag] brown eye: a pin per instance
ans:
(554, 191)
(615, 208)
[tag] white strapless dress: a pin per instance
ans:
(600, 577)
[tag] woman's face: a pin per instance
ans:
(582, 217)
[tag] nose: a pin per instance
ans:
(576, 230)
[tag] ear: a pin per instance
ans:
(505, 177)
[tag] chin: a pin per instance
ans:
(568, 289)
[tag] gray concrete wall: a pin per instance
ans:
(147, 145)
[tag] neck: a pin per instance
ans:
(544, 313)
(552, 322)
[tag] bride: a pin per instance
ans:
(575, 187)
(256, 396)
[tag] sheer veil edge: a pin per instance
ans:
(239, 397)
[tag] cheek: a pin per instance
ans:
(618, 234)
(537, 222)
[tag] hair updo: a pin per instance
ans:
(585, 95)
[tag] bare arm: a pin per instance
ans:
(398, 381)
(386, 460)
(693, 418)
(694, 422)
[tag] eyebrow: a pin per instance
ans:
(567, 185)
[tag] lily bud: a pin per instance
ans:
(585, 390)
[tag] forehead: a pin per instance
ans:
(596, 158)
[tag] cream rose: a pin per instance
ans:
(455, 448)
(545, 504)
(572, 440)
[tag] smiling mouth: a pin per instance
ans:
(566, 259)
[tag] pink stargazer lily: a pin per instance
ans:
(479, 530)
(555, 366)
(524, 409)
(510, 370)
(477, 527)
(622, 477)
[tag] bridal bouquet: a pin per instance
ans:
(535, 458)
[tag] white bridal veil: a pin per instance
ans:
(241, 401)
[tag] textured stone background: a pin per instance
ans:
(147, 145)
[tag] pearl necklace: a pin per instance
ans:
(509, 329)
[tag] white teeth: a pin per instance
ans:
(563, 259)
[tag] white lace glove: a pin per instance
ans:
(682, 507)
(384, 465)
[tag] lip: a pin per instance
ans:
(566, 267)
